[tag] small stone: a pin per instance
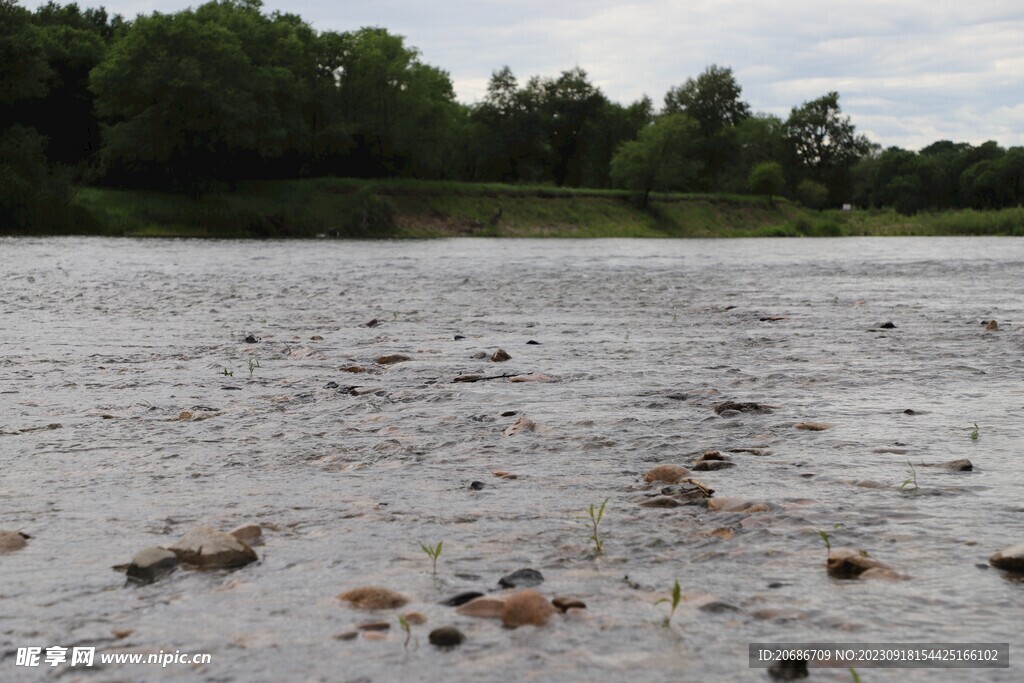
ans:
(185, 415)
(564, 604)
(846, 563)
(461, 598)
(743, 407)
(392, 359)
(1011, 559)
(250, 534)
(961, 465)
(353, 368)
(712, 465)
(523, 424)
(522, 578)
(736, 505)
(446, 637)
(502, 474)
(509, 413)
(316, 337)
(526, 608)
(251, 339)
(484, 607)
(500, 356)
(372, 323)
(533, 343)
(374, 626)
(887, 326)
(375, 635)
(476, 486)
(459, 337)
(150, 564)
(722, 532)
(479, 355)
(11, 541)
(910, 411)
(660, 502)
(813, 426)
(992, 326)
(415, 618)
(788, 670)
(373, 598)
(347, 635)
(535, 377)
(669, 474)
(122, 633)
(212, 549)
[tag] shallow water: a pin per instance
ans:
(113, 339)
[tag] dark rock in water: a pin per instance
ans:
(212, 549)
(459, 337)
(717, 607)
(12, 540)
(677, 396)
(500, 356)
(461, 598)
(509, 413)
(252, 339)
(1011, 559)
(347, 635)
(660, 502)
(845, 563)
(150, 564)
(476, 486)
(991, 325)
(446, 637)
(372, 323)
(788, 670)
(392, 359)
(479, 355)
(564, 604)
(910, 411)
(372, 598)
(742, 407)
(331, 385)
(228, 388)
(533, 343)
(522, 578)
(668, 474)
(711, 455)
(375, 626)
(887, 326)
(961, 465)
(712, 465)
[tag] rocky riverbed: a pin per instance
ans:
(820, 440)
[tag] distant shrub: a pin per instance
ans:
(371, 214)
(811, 194)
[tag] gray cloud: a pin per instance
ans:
(908, 73)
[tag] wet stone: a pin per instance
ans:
(1010, 559)
(748, 407)
(150, 564)
(845, 563)
(252, 339)
(212, 549)
(660, 502)
(11, 541)
(446, 637)
(668, 474)
(476, 486)
(374, 626)
(961, 465)
(483, 607)
(373, 598)
(461, 598)
(522, 578)
(459, 337)
(788, 670)
(391, 359)
(523, 424)
(533, 343)
(887, 326)
(250, 534)
(500, 356)
(527, 608)
(564, 604)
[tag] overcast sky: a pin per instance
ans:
(908, 72)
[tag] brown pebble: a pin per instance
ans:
(248, 533)
(813, 426)
(505, 475)
(484, 607)
(415, 618)
(11, 541)
(316, 337)
(660, 502)
(523, 424)
(564, 604)
(122, 633)
(446, 637)
(535, 377)
(525, 608)
(392, 359)
(375, 635)
(669, 474)
(185, 415)
(375, 626)
(992, 326)
(373, 598)
(353, 368)
(347, 635)
(500, 356)
(846, 563)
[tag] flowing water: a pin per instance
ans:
(104, 343)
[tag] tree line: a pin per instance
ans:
(207, 97)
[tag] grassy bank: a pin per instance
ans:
(412, 209)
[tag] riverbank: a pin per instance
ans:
(421, 209)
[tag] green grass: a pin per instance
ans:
(353, 208)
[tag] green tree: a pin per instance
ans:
(812, 194)
(572, 104)
(825, 144)
(767, 179)
(661, 158)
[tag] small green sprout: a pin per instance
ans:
(909, 485)
(974, 432)
(228, 373)
(433, 553)
(828, 541)
(855, 675)
(254, 362)
(596, 514)
(677, 596)
(404, 623)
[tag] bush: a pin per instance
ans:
(371, 214)
(812, 195)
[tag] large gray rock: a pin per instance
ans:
(1010, 559)
(150, 564)
(212, 549)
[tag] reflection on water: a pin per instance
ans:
(114, 340)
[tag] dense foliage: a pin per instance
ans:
(209, 96)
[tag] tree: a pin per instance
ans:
(713, 100)
(661, 158)
(767, 178)
(571, 102)
(825, 144)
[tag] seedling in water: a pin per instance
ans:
(254, 362)
(974, 432)
(433, 553)
(909, 485)
(228, 373)
(856, 676)
(828, 541)
(677, 595)
(595, 524)
(404, 623)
